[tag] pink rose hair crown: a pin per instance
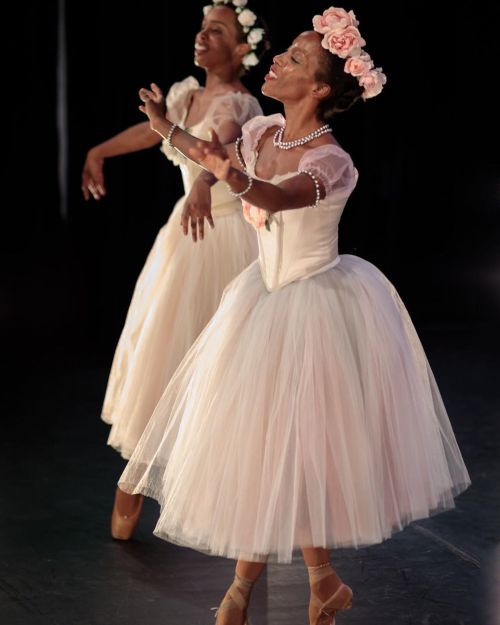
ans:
(252, 27)
(342, 38)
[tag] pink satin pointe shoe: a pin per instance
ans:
(340, 600)
(235, 599)
(123, 525)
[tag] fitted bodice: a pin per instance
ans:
(304, 241)
(232, 107)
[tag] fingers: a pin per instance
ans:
(98, 181)
(213, 160)
(198, 154)
(226, 166)
(214, 139)
(157, 92)
(194, 224)
(144, 94)
(201, 228)
(95, 190)
(193, 218)
(185, 223)
(91, 188)
(198, 227)
(199, 151)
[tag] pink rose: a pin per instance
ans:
(344, 43)
(373, 83)
(255, 216)
(358, 65)
(333, 19)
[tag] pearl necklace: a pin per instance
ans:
(287, 145)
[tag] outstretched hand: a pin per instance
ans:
(93, 177)
(212, 156)
(154, 102)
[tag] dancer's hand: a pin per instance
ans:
(93, 176)
(197, 208)
(213, 156)
(154, 103)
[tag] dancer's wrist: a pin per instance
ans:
(208, 178)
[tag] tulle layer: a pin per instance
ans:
(304, 417)
(176, 294)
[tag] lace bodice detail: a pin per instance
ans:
(301, 242)
(228, 107)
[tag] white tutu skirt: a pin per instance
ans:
(307, 416)
(176, 294)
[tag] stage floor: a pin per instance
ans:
(59, 566)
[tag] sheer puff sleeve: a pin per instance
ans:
(253, 130)
(332, 166)
(177, 101)
(177, 98)
(230, 110)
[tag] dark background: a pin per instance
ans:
(426, 210)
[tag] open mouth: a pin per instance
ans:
(271, 75)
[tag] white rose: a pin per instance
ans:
(219, 1)
(249, 60)
(255, 36)
(240, 3)
(207, 9)
(247, 18)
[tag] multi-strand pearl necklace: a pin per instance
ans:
(288, 145)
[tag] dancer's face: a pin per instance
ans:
(292, 76)
(219, 40)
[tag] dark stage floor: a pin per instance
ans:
(60, 567)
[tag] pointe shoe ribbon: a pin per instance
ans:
(340, 600)
(235, 599)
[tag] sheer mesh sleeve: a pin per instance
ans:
(332, 166)
(177, 98)
(177, 101)
(235, 108)
(253, 130)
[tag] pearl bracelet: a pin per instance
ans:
(242, 193)
(238, 153)
(316, 184)
(170, 135)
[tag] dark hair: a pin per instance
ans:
(264, 44)
(345, 91)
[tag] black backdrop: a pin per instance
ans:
(426, 210)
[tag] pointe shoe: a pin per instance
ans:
(340, 600)
(235, 599)
(123, 525)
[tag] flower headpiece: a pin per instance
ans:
(248, 20)
(342, 38)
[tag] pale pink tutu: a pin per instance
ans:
(307, 416)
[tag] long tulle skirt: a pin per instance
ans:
(176, 294)
(308, 416)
